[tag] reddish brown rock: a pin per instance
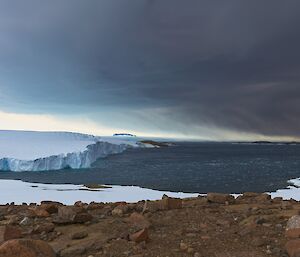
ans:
(249, 197)
(44, 227)
(65, 215)
(26, 248)
(171, 203)
(293, 227)
(71, 214)
(82, 218)
(95, 206)
(38, 212)
(79, 235)
(138, 221)
(220, 198)
(10, 232)
(262, 198)
(140, 236)
(120, 210)
(293, 248)
(166, 203)
(49, 207)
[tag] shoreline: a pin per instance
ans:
(19, 192)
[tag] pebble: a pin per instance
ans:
(183, 246)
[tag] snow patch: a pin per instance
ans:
(291, 192)
(19, 192)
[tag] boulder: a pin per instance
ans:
(138, 221)
(293, 227)
(250, 197)
(171, 203)
(38, 212)
(220, 198)
(70, 215)
(120, 210)
(49, 207)
(9, 232)
(140, 236)
(262, 198)
(167, 203)
(293, 248)
(82, 218)
(44, 227)
(26, 248)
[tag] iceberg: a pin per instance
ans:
(40, 151)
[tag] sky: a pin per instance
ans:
(217, 70)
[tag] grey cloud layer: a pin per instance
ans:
(230, 64)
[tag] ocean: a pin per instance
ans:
(187, 167)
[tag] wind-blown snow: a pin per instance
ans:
(38, 151)
(19, 192)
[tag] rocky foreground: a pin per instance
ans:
(253, 225)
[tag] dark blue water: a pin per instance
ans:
(188, 167)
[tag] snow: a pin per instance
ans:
(38, 151)
(23, 192)
(30, 145)
(291, 192)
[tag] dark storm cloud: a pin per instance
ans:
(230, 64)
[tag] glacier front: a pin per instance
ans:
(40, 151)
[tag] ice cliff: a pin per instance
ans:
(39, 151)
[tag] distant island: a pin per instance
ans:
(124, 135)
(271, 143)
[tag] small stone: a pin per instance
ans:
(191, 235)
(190, 250)
(79, 235)
(293, 227)
(259, 242)
(26, 221)
(75, 250)
(260, 221)
(183, 246)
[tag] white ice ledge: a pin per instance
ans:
(40, 151)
